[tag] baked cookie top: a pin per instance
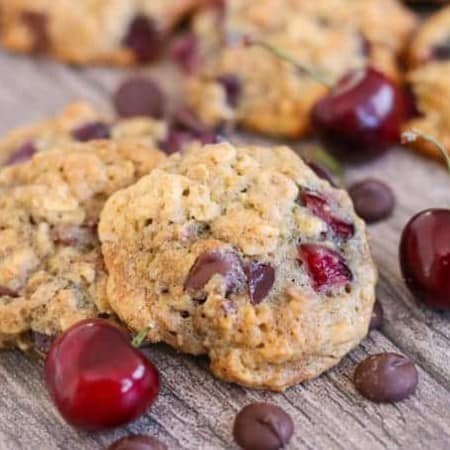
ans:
(432, 40)
(79, 122)
(51, 269)
(243, 254)
(255, 89)
(91, 31)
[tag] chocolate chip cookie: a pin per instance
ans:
(86, 31)
(245, 255)
(79, 122)
(248, 86)
(51, 268)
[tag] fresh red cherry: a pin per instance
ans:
(425, 257)
(361, 116)
(96, 378)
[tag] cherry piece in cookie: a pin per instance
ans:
(361, 116)
(139, 96)
(91, 131)
(185, 52)
(326, 267)
(319, 206)
(96, 378)
(386, 377)
(23, 153)
(144, 39)
(425, 257)
(138, 442)
(262, 426)
(260, 279)
(373, 199)
(216, 262)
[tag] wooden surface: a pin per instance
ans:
(195, 411)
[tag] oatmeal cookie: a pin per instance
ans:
(79, 122)
(432, 41)
(250, 87)
(430, 86)
(245, 255)
(91, 31)
(51, 268)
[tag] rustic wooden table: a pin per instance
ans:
(196, 411)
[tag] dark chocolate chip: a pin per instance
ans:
(23, 153)
(216, 262)
(37, 23)
(262, 426)
(441, 51)
(92, 131)
(139, 96)
(138, 442)
(185, 52)
(42, 342)
(233, 88)
(386, 377)
(376, 319)
(373, 200)
(260, 279)
(144, 39)
(321, 172)
(7, 292)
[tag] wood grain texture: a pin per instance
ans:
(195, 411)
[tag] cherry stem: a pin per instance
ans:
(139, 339)
(413, 135)
(320, 78)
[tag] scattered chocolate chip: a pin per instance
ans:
(144, 39)
(260, 278)
(233, 88)
(321, 172)
(139, 96)
(7, 292)
(138, 442)
(213, 262)
(377, 316)
(185, 52)
(41, 342)
(373, 200)
(91, 131)
(23, 153)
(320, 207)
(36, 22)
(386, 377)
(72, 236)
(262, 426)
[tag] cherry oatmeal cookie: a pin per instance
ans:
(245, 255)
(250, 87)
(51, 268)
(91, 31)
(79, 122)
